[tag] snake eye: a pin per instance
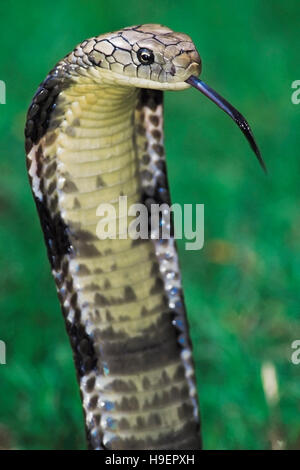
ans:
(145, 56)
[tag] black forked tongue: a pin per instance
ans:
(231, 111)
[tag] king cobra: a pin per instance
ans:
(94, 132)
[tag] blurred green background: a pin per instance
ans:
(242, 289)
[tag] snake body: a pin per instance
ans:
(94, 132)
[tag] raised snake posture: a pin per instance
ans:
(94, 132)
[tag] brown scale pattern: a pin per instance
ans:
(150, 117)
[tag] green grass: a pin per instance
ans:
(242, 289)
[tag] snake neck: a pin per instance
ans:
(95, 151)
(135, 374)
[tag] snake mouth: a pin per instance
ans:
(231, 111)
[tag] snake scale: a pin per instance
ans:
(94, 132)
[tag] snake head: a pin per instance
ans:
(155, 57)
(146, 56)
